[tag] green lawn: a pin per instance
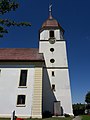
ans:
(54, 118)
(85, 117)
(4, 118)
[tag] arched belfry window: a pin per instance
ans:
(51, 34)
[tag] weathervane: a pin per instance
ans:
(50, 8)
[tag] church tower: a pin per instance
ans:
(56, 84)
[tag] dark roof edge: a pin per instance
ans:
(3, 60)
(51, 27)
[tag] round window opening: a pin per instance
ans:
(52, 49)
(52, 60)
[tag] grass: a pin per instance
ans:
(54, 118)
(59, 118)
(85, 117)
(4, 118)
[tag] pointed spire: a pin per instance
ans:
(50, 11)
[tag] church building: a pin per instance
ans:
(35, 81)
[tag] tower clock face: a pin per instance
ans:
(52, 40)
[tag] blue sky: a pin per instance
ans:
(74, 17)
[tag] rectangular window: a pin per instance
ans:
(21, 100)
(51, 34)
(53, 87)
(53, 73)
(23, 78)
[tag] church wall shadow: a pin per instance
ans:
(48, 95)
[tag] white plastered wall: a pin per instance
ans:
(60, 68)
(59, 53)
(44, 35)
(9, 89)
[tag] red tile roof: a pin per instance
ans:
(51, 23)
(20, 54)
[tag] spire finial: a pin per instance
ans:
(50, 9)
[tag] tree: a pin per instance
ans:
(5, 7)
(87, 98)
(78, 109)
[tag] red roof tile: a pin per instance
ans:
(27, 54)
(51, 22)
